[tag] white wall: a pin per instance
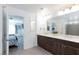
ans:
(44, 16)
(33, 34)
(41, 24)
(0, 29)
(29, 37)
(59, 24)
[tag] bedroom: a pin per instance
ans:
(16, 28)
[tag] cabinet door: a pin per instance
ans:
(40, 41)
(51, 45)
(69, 50)
(43, 42)
(58, 48)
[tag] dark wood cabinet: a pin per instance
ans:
(58, 46)
(69, 50)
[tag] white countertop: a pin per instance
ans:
(63, 37)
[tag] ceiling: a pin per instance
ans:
(15, 20)
(38, 7)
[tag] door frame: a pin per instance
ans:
(7, 12)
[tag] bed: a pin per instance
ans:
(13, 40)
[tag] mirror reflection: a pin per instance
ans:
(64, 24)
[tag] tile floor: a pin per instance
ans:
(32, 51)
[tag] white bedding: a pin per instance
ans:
(13, 40)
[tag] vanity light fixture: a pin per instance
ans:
(70, 23)
(67, 11)
(68, 8)
(75, 8)
(60, 13)
(75, 22)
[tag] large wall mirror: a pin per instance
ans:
(67, 24)
(72, 26)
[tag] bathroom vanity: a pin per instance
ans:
(60, 44)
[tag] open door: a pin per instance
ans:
(1, 29)
(5, 39)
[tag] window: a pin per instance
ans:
(11, 29)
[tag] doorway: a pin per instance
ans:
(16, 33)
